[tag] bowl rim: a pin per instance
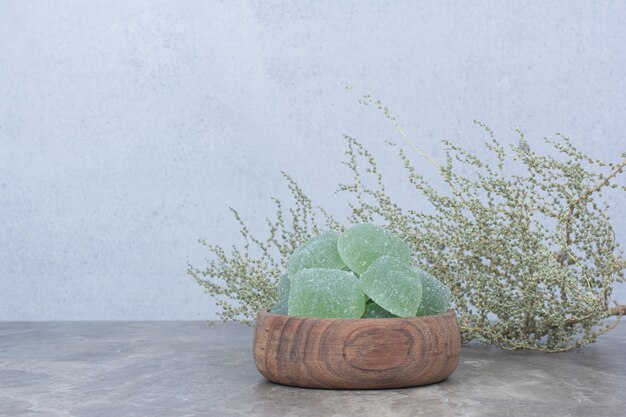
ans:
(266, 313)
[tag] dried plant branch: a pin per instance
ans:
(531, 258)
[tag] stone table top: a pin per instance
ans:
(192, 369)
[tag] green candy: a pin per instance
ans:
(317, 252)
(393, 285)
(360, 245)
(374, 311)
(281, 306)
(328, 293)
(435, 295)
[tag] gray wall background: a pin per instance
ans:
(128, 128)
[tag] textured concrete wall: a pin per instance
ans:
(128, 128)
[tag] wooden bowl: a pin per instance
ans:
(356, 353)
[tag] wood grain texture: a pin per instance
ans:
(356, 353)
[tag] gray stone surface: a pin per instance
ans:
(191, 369)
